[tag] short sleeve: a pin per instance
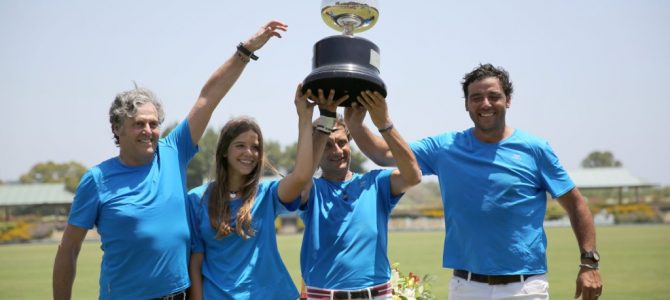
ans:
(424, 150)
(555, 178)
(180, 138)
(383, 180)
(86, 203)
(195, 213)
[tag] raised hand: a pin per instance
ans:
(303, 106)
(375, 104)
(264, 34)
(328, 103)
(354, 115)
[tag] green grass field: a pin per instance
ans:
(635, 263)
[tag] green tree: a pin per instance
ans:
(286, 162)
(50, 172)
(357, 161)
(273, 156)
(201, 166)
(599, 159)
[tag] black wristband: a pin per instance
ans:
(246, 51)
(327, 113)
(385, 129)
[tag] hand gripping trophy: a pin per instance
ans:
(345, 63)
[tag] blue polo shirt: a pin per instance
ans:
(345, 243)
(237, 268)
(140, 214)
(494, 197)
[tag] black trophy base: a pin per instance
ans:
(343, 64)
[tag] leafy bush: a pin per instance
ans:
(633, 213)
(16, 232)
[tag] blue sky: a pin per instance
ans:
(588, 75)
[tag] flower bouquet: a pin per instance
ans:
(411, 286)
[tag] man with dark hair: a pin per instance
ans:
(137, 200)
(346, 214)
(494, 180)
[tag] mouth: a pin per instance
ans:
(338, 159)
(250, 163)
(146, 140)
(487, 114)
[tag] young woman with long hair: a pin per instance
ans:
(234, 247)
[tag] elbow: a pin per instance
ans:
(415, 179)
(302, 178)
(412, 178)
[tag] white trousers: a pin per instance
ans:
(533, 288)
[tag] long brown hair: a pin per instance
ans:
(219, 191)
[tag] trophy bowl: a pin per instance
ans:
(345, 63)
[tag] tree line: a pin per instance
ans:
(280, 160)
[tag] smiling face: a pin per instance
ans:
(336, 156)
(243, 153)
(487, 104)
(138, 136)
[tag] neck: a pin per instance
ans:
(493, 136)
(235, 184)
(337, 176)
(134, 161)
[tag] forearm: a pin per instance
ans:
(291, 185)
(195, 273)
(304, 160)
(403, 156)
(584, 228)
(373, 146)
(580, 219)
(216, 87)
(64, 271)
(319, 140)
(223, 79)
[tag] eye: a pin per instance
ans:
(476, 98)
(495, 97)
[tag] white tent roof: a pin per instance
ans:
(612, 177)
(34, 193)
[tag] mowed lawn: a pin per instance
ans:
(635, 263)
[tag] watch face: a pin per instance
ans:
(593, 255)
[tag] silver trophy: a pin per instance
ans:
(346, 63)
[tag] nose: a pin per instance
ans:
(337, 149)
(486, 102)
(146, 128)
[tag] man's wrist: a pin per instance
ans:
(386, 128)
(246, 52)
(327, 113)
(325, 124)
(592, 266)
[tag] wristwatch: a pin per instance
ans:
(591, 255)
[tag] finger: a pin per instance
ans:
(357, 107)
(377, 97)
(364, 102)
(331, 95)
(277, 24)
(341, 99)
(298, 90)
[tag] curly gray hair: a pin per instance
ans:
(125, 106)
